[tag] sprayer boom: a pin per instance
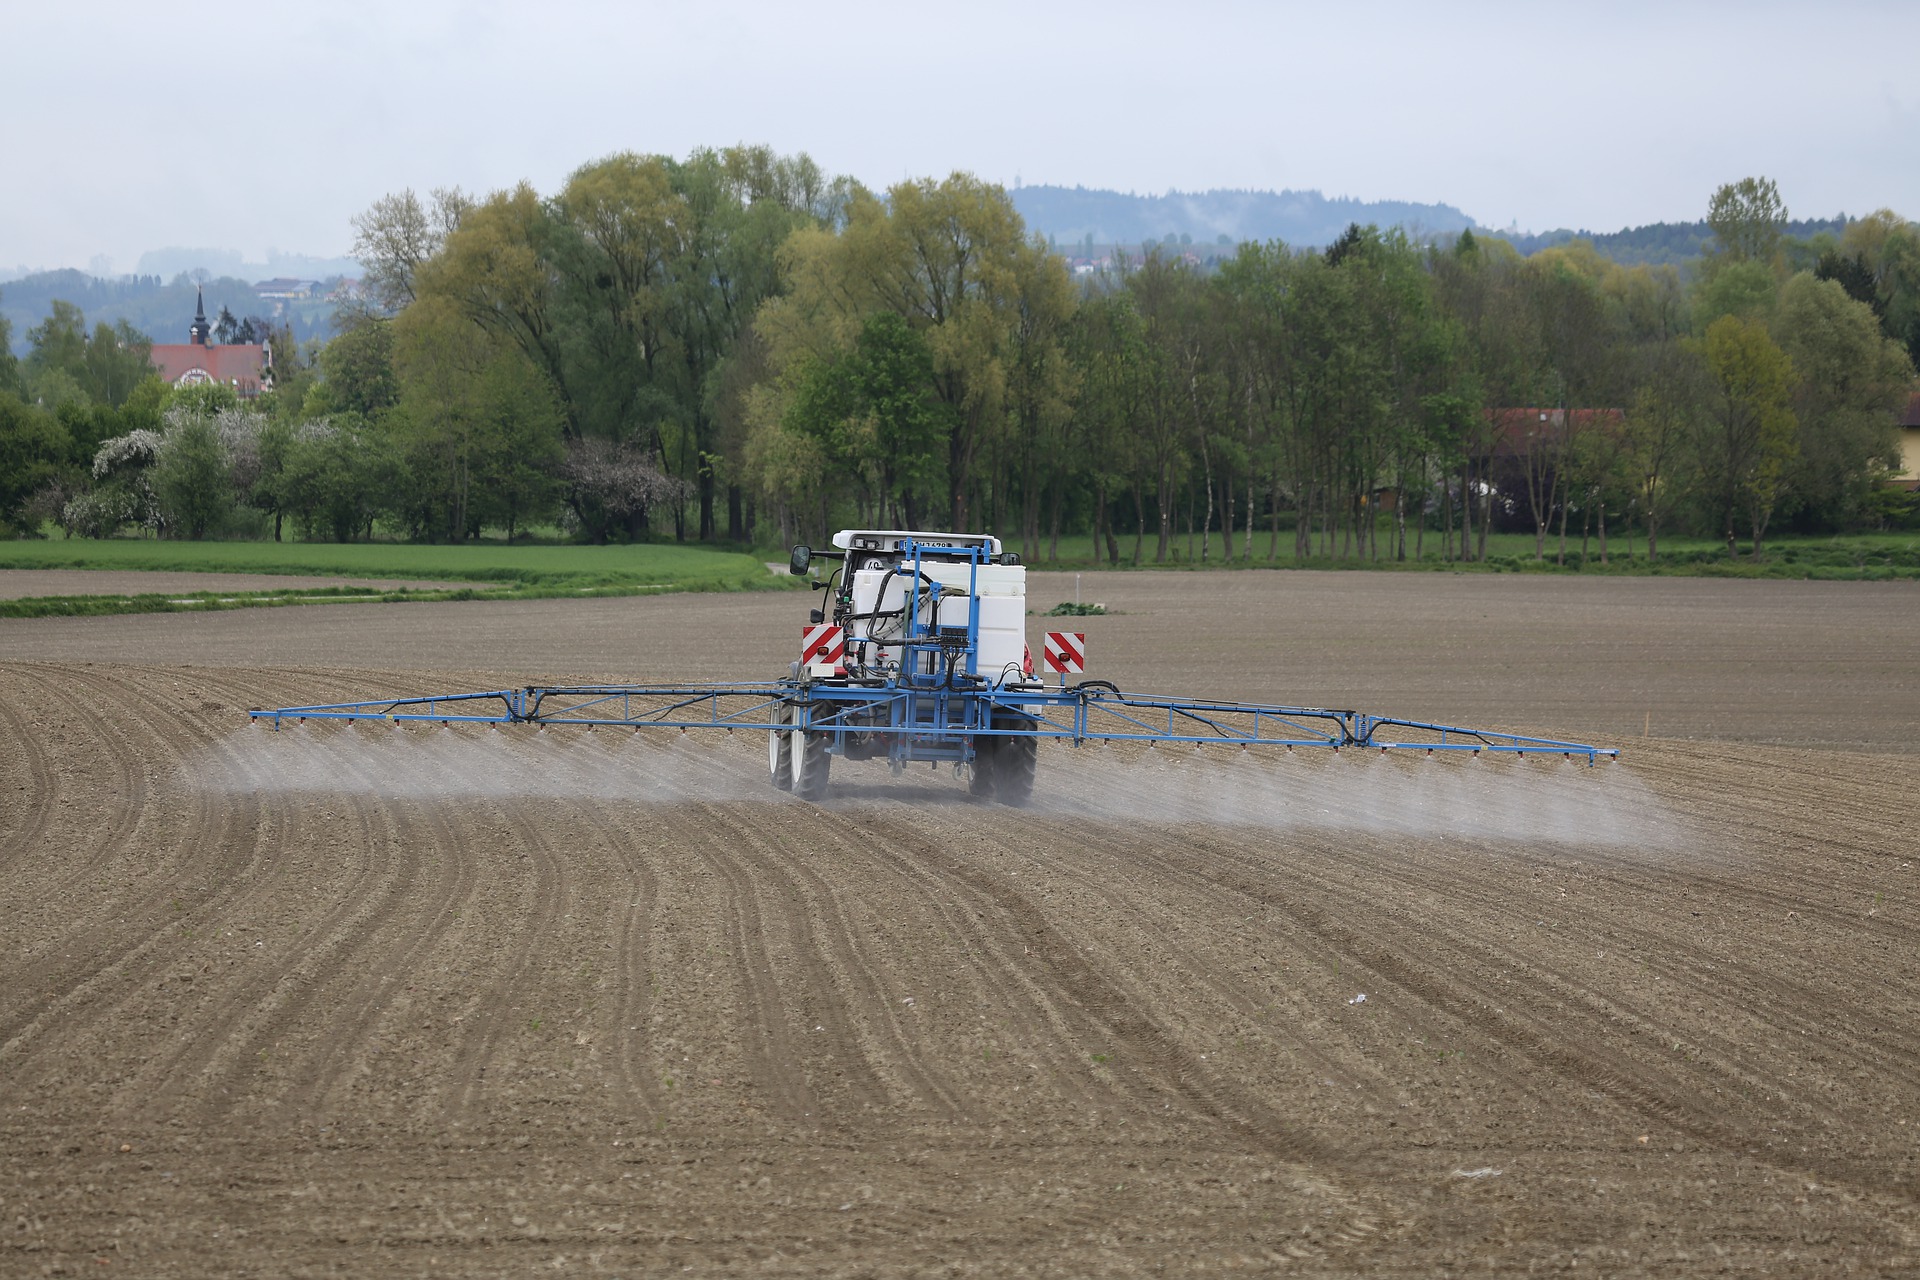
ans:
(925, 659)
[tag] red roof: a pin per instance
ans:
(239, 365)
(1513, 426)
(1911, 418)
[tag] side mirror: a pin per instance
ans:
(802, 557)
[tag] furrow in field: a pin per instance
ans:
(952, 955)
(631, 900)
(1108, 1011)
(752, 931)
(89, 739)
(524, 927)
(1574, 1043)
(365, 998)
(153, 880)
(845, 988)
(340, 851)
(27, 783)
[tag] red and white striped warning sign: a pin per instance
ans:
(1066, 651)
(822, 647)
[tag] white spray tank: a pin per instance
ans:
(879, 593)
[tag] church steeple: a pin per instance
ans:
(197, 334)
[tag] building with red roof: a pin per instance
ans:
(1909, 476)
(247, 367)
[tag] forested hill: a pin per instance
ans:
(1072, 215)
(1077, 216)
(1657, 243)
(161, 309)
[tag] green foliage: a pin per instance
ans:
(34, 449)
(1749, 441)
(356, 372)
(202, 399)
(330, 479)
(65, 366)
(731, 338)
(1748, 219)
(190, 477)
(1744, 289)
(1851, 380)
(873, 414)
(9, 363)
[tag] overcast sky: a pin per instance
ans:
(131, 127)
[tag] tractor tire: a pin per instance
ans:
(986, 752)
(810, 765)
(1015, 762)
(780, 751)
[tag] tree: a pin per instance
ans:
(608, 484)
(477, 434)
(33, 453)
(1850, 379)
(398, 235)
(1749, 443)
(1107, 346)
(57, 344)
(1878, 263)
(1748, 221)
(190, 476)
(333, 477)
(356, 371)
(9, 363)
(65, 365)
(950, 258)
(1666, 412)
(873, 413)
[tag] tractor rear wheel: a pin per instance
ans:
(985, 752)
(780, 751)
(811, 764)
(1015, 763)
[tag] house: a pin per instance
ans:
(1516, 430)
(1908, 476)
(247, 367)
(286, 289)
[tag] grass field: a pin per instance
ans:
(1865, 556)
(509, 572)
(499, 572)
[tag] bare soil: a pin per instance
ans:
(18, 584)
(357, 1001)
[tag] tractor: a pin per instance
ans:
(922, 656)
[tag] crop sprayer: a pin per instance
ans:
(923, 657)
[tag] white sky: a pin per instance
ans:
(135, 126)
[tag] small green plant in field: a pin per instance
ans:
(1071, 609)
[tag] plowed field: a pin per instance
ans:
(345, 1001)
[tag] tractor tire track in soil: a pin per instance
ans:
(444, 1001)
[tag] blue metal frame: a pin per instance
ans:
(929, 707)
(932, 721)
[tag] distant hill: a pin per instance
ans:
(1656, 244)
(1076, 218)
(168, 263)
(1304, 219)
(161, 309)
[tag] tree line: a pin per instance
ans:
(737, 346)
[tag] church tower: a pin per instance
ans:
(197, 333)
